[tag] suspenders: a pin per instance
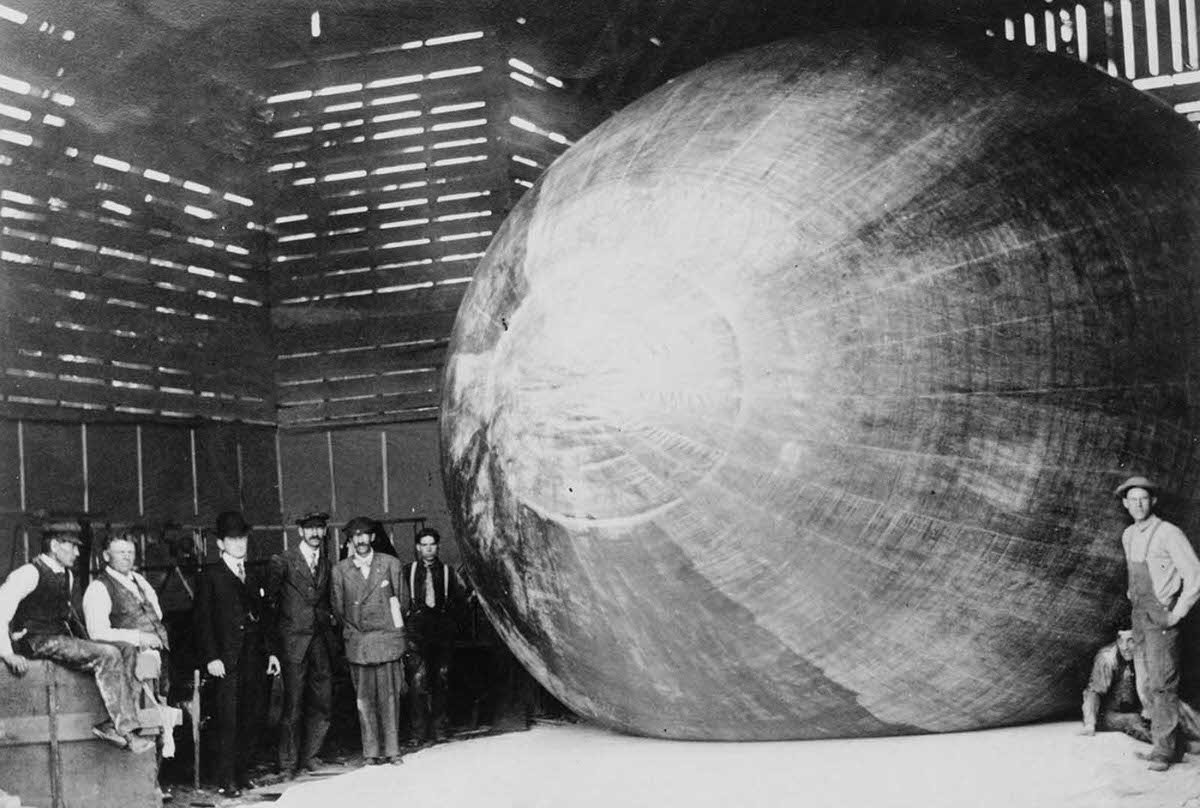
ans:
(412, 583)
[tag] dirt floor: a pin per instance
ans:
(577, 766)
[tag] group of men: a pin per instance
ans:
(1134, 686)
(391, 623)
(394, 626)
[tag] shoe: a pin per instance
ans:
(312, 765)
(137, 744)
(395, 760)
(246, 784)
(1157, 762)
(107, 732)
(229, 790)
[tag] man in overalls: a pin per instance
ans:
(1164, 584)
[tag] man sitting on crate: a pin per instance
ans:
(120, 606)
(39, 614)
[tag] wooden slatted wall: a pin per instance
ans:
(131, 287)
(1154, 44)
(392, 167)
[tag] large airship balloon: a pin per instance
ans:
(790, 401)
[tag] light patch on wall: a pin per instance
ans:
(116, 207)
(299, 95)
(15, 85)
(446, 40)
(393, 81)
(13, 15)
(199, 213)
(19, 138)
(15, 112)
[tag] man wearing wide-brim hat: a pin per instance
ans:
(298, 590)
(236, 645)
(40, 617)
(1164, 584)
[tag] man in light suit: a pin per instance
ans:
(298, 591)
(368, 588)
(236, 647)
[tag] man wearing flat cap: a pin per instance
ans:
(235, 644)
(1164, 584)
(39, 612)
(298, 590)
(368, 588)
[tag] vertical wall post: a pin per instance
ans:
(383, 462)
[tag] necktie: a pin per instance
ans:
(241, 571)
(430, 599)
(312, 564)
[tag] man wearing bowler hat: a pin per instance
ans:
(236, 647)
(40, 616)
(298, 590)
(1164, 584)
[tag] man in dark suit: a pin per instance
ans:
(298, 589)
(368, 589)
(236, 646)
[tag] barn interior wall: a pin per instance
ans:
(189, 474)
(118, 476)
(388, 472)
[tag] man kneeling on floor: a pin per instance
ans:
(40, 618)
(1112, 700)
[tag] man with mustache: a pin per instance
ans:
(368, 588)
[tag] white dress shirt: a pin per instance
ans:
(19, 584)
(97, 607)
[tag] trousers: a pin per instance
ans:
(110, 663)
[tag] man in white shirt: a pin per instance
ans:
(1164, 584)
(121, 606)
(40, 621)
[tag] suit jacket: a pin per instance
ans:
(363, 606)
(300, 602)
(229, 614)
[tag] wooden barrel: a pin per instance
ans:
(789, 403)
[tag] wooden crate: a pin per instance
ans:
(48, 755)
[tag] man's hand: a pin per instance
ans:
(216, 668)
(273, 666)
(148, 640)
(16, 663)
